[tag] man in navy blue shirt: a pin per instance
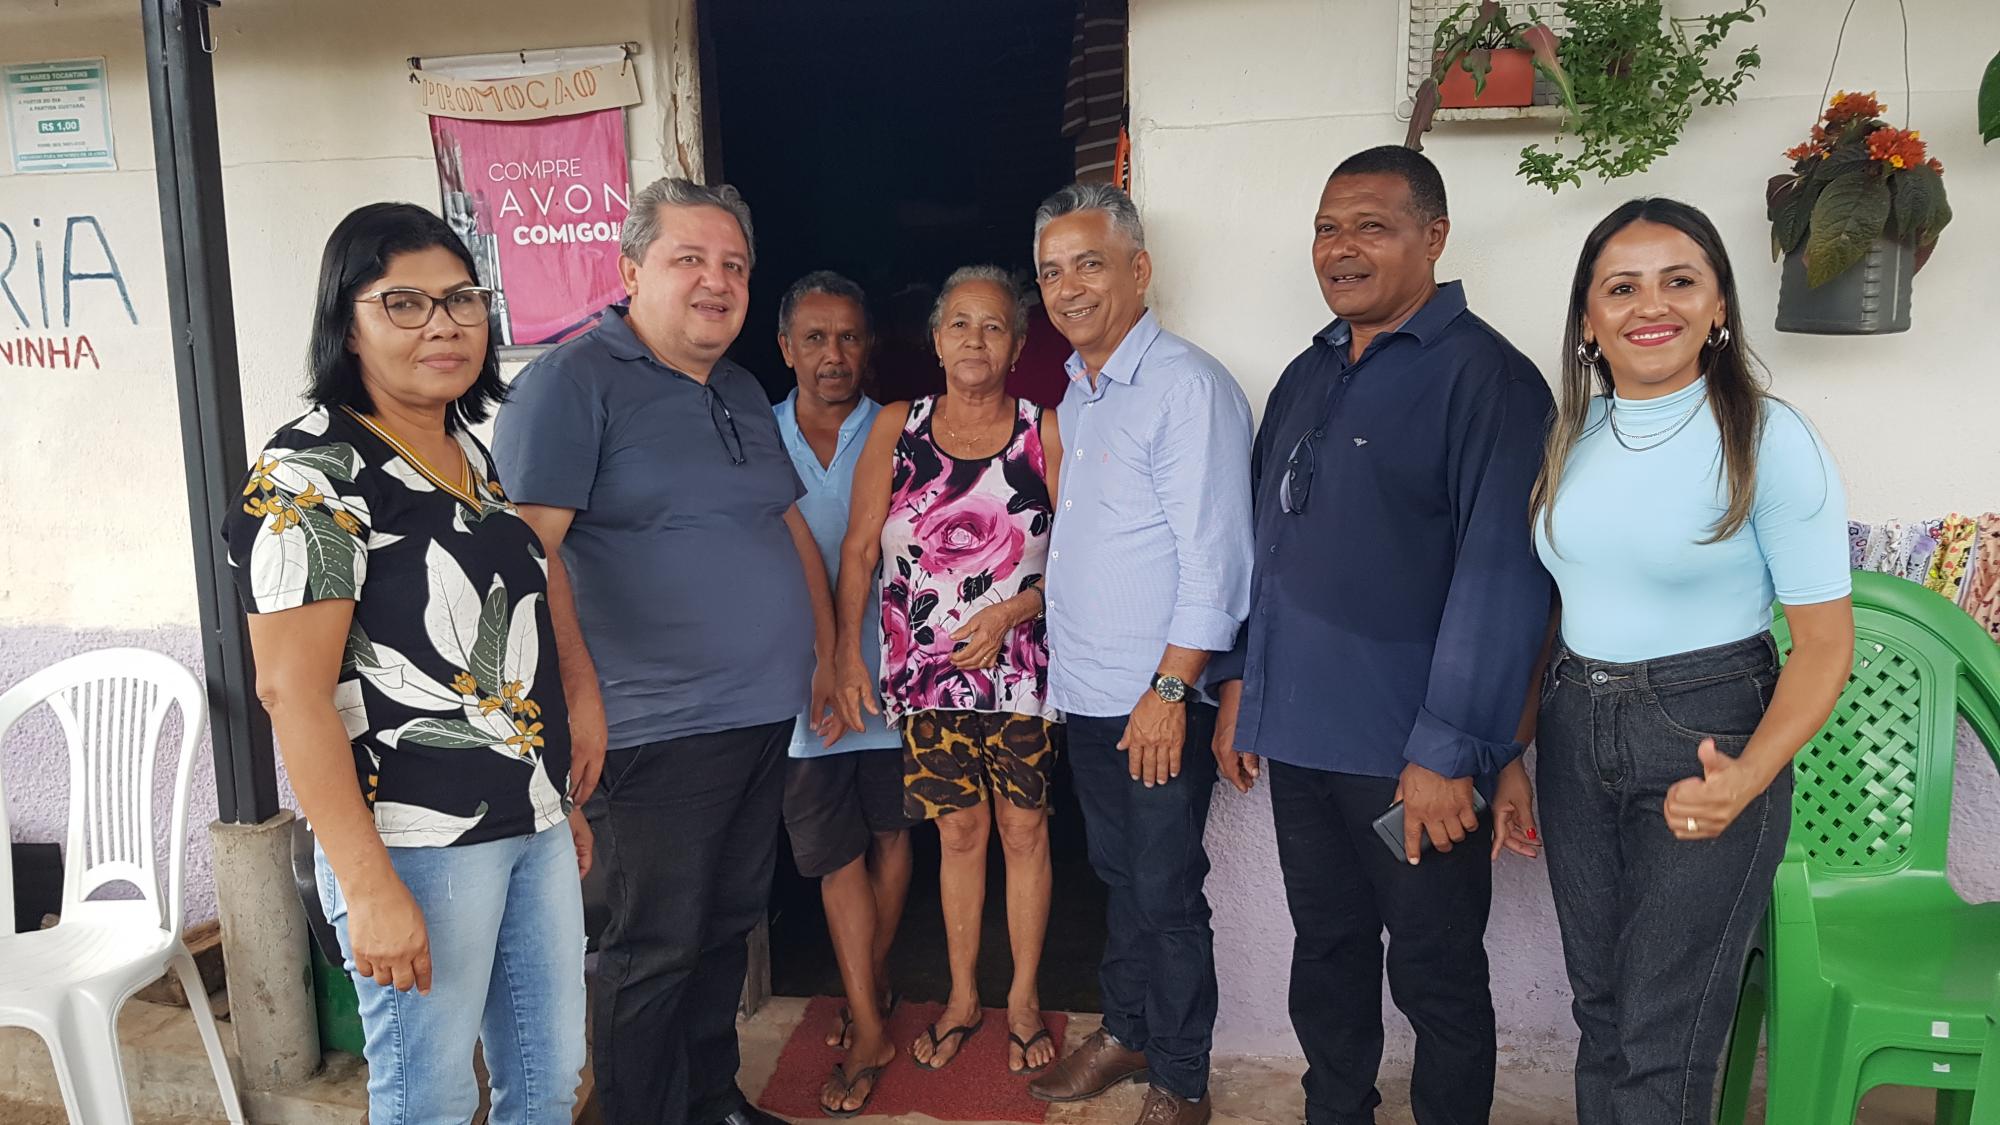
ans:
(1396, 613)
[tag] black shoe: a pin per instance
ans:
(751, 1115)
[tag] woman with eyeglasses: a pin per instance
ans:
(952, 497)
(1678, 499)
(400, 618)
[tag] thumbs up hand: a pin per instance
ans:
(1700, 808)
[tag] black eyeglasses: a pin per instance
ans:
(413, 308)
(732, 442)
(1296, 488)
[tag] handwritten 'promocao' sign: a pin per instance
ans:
(585, 89)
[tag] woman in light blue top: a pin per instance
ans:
(1677, 500)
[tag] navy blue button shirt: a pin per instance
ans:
(1397, 617)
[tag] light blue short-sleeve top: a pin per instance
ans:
(1637, 580)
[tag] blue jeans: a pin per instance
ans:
(1158, 975)
(1653, 927)
(505, 920)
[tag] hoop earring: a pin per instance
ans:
(1589, 354)
(1719, 338)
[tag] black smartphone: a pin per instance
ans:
(1389, 826)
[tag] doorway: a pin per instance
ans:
(894, 141)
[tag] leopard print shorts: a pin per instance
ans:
(951, 759)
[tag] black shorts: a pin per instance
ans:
(835, 804)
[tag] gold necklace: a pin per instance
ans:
(984, 427)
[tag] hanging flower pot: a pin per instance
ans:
(1509, 81)
(1854, 221)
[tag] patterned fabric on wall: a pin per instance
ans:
(1957, 556)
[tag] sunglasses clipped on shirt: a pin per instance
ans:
(720, 417)
(1296, 487)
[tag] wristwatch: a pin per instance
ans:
(1171, 689)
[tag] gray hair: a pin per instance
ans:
(992, 275)
(642, 224)
(826, 283)
(1091, 197)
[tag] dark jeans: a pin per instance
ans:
(1654, 928)
(1344, 888)
(1158, 976)
(687, 835)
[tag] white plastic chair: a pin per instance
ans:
(67, 983)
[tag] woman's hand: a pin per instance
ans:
(855, 691)
(979, 639)
(822, 710)
(385, 927)
(1700, 808)
(1514, 813)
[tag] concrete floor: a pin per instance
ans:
(166, 1073)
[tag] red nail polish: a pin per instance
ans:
(1531, 833)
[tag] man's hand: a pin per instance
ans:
(1433, 803)
(386, 930)
(1514, 813)
(1236, 767)
(586, 840)
(826, 721)
(1153, 738)
(589, 734)
(1700, 808)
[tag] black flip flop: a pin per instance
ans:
(1027, 1044)
(870, 1074)
(963, 1033)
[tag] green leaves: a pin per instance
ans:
(488, 650)
(1848, 216)
(448, 734)
(1989, 102)
(332, 555)
(1918, 207)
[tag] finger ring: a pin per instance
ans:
(1693, 826)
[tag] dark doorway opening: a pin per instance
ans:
(894, 141)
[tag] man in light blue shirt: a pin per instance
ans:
(843, 802)
(1149, 573)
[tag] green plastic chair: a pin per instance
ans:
(1870, 968)
(1986, 1099)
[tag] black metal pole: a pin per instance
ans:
(181, 77)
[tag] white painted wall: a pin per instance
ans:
(315, 117)
(1241, 108)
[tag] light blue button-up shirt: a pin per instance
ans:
(829, 492)
(1152, 541)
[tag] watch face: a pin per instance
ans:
(1173, 689)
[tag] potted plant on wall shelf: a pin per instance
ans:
(1633, 78)
(1489, 61)
(1854, 220)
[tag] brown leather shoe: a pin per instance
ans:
(1100, 1063)
(1164, 1107)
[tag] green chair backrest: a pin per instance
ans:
(1873, 788)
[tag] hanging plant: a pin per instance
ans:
(1855, 180)
(1989, 102)
(1467, 53)
(1633, 77)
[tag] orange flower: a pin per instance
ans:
(1847, 107)
(1896, 148)
(1817, 144)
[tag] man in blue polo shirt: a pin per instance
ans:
(844, 802)
(652, 470)
(1395, 617)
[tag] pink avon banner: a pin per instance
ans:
(540, 203)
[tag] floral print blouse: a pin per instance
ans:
(961, 536)
(449, 686)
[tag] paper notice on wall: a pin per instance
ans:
(541, 204)
(59, 116)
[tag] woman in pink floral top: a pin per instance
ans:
(953, 502)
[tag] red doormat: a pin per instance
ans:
(974, 1086)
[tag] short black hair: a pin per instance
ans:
(1413, 167)
(357, 255)
(825, 282)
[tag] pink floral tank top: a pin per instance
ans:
(960, 536)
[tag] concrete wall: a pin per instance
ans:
(315, 118)
(1240, 110)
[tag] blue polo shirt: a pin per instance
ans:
(829, 494)
(688, 587)
(1396, 616)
